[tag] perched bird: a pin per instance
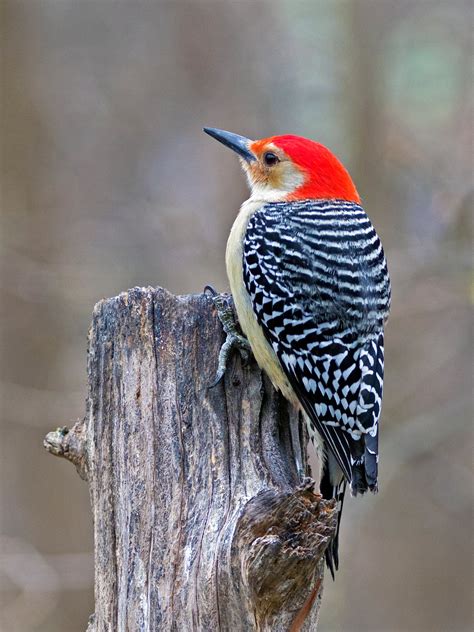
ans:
(311, 288)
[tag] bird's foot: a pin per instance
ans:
(234, 339)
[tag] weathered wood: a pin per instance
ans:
(200, 522)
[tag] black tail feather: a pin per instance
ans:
(330, 490)
(364, 458)
(371, 460)
(365, 466)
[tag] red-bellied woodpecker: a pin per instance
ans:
(311, 289)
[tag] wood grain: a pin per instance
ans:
(200, 521)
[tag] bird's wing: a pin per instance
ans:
(322, 306)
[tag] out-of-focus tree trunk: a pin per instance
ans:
(199, 519)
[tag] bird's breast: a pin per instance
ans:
(263, 352)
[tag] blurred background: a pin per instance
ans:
(108, 182)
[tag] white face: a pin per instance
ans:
(272, 176)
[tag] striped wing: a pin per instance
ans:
(318, 281)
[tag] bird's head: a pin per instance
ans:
(288, 167)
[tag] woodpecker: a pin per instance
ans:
(311, 289)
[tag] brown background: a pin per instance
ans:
(108, 182)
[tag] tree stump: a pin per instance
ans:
(200, 521)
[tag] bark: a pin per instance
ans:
(200, 521)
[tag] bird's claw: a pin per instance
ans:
(233, 339)
(208, 289)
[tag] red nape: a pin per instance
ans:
(326, 176)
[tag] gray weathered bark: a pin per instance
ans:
(200, 522)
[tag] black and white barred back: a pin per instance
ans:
(318, 281)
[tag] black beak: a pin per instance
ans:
(239, 144)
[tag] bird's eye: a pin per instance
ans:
(270, 158)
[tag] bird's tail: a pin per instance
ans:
(331, 489)
(365, 464)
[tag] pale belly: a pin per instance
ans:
(263, 352)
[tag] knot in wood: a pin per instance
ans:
(281, 540)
